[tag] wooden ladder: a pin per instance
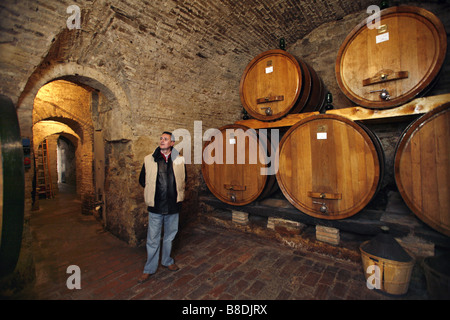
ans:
(44, 179)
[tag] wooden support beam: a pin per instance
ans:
(415, 107)
(287, 121)
(367, 222)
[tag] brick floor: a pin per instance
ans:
(215, 264)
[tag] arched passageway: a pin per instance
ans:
(62, 115)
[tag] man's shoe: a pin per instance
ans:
(173, 267)
(144, 277)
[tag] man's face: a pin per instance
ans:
(165, 142)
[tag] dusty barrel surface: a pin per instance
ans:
(234, 163)
(329, 166)
(422, 168)
(276, 83)
(12, 187)
(390, 65)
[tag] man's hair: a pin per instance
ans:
(172, 138)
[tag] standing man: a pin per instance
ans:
(163, 179)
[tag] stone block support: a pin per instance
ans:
(290, 226)
(327, 234)
(240, 217)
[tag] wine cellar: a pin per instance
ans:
(315, 132)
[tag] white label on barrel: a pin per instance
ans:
(269, 69)
(382, 37)
(321, 135)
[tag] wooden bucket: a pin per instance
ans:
(329, 166)
(422, 168)
(394, 275)
(275, 83)
(237, 181)
(401, 58)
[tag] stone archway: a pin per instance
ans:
(115, 103)
(63, 106)
(52, 131)
(111, 120)
(110, 107)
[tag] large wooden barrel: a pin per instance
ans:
(422, 168)
(234, 164)
(13, 187)
(275, 83)
(390, 65)
(329, 166)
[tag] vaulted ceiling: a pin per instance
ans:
(273, 19)
(251, 23)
